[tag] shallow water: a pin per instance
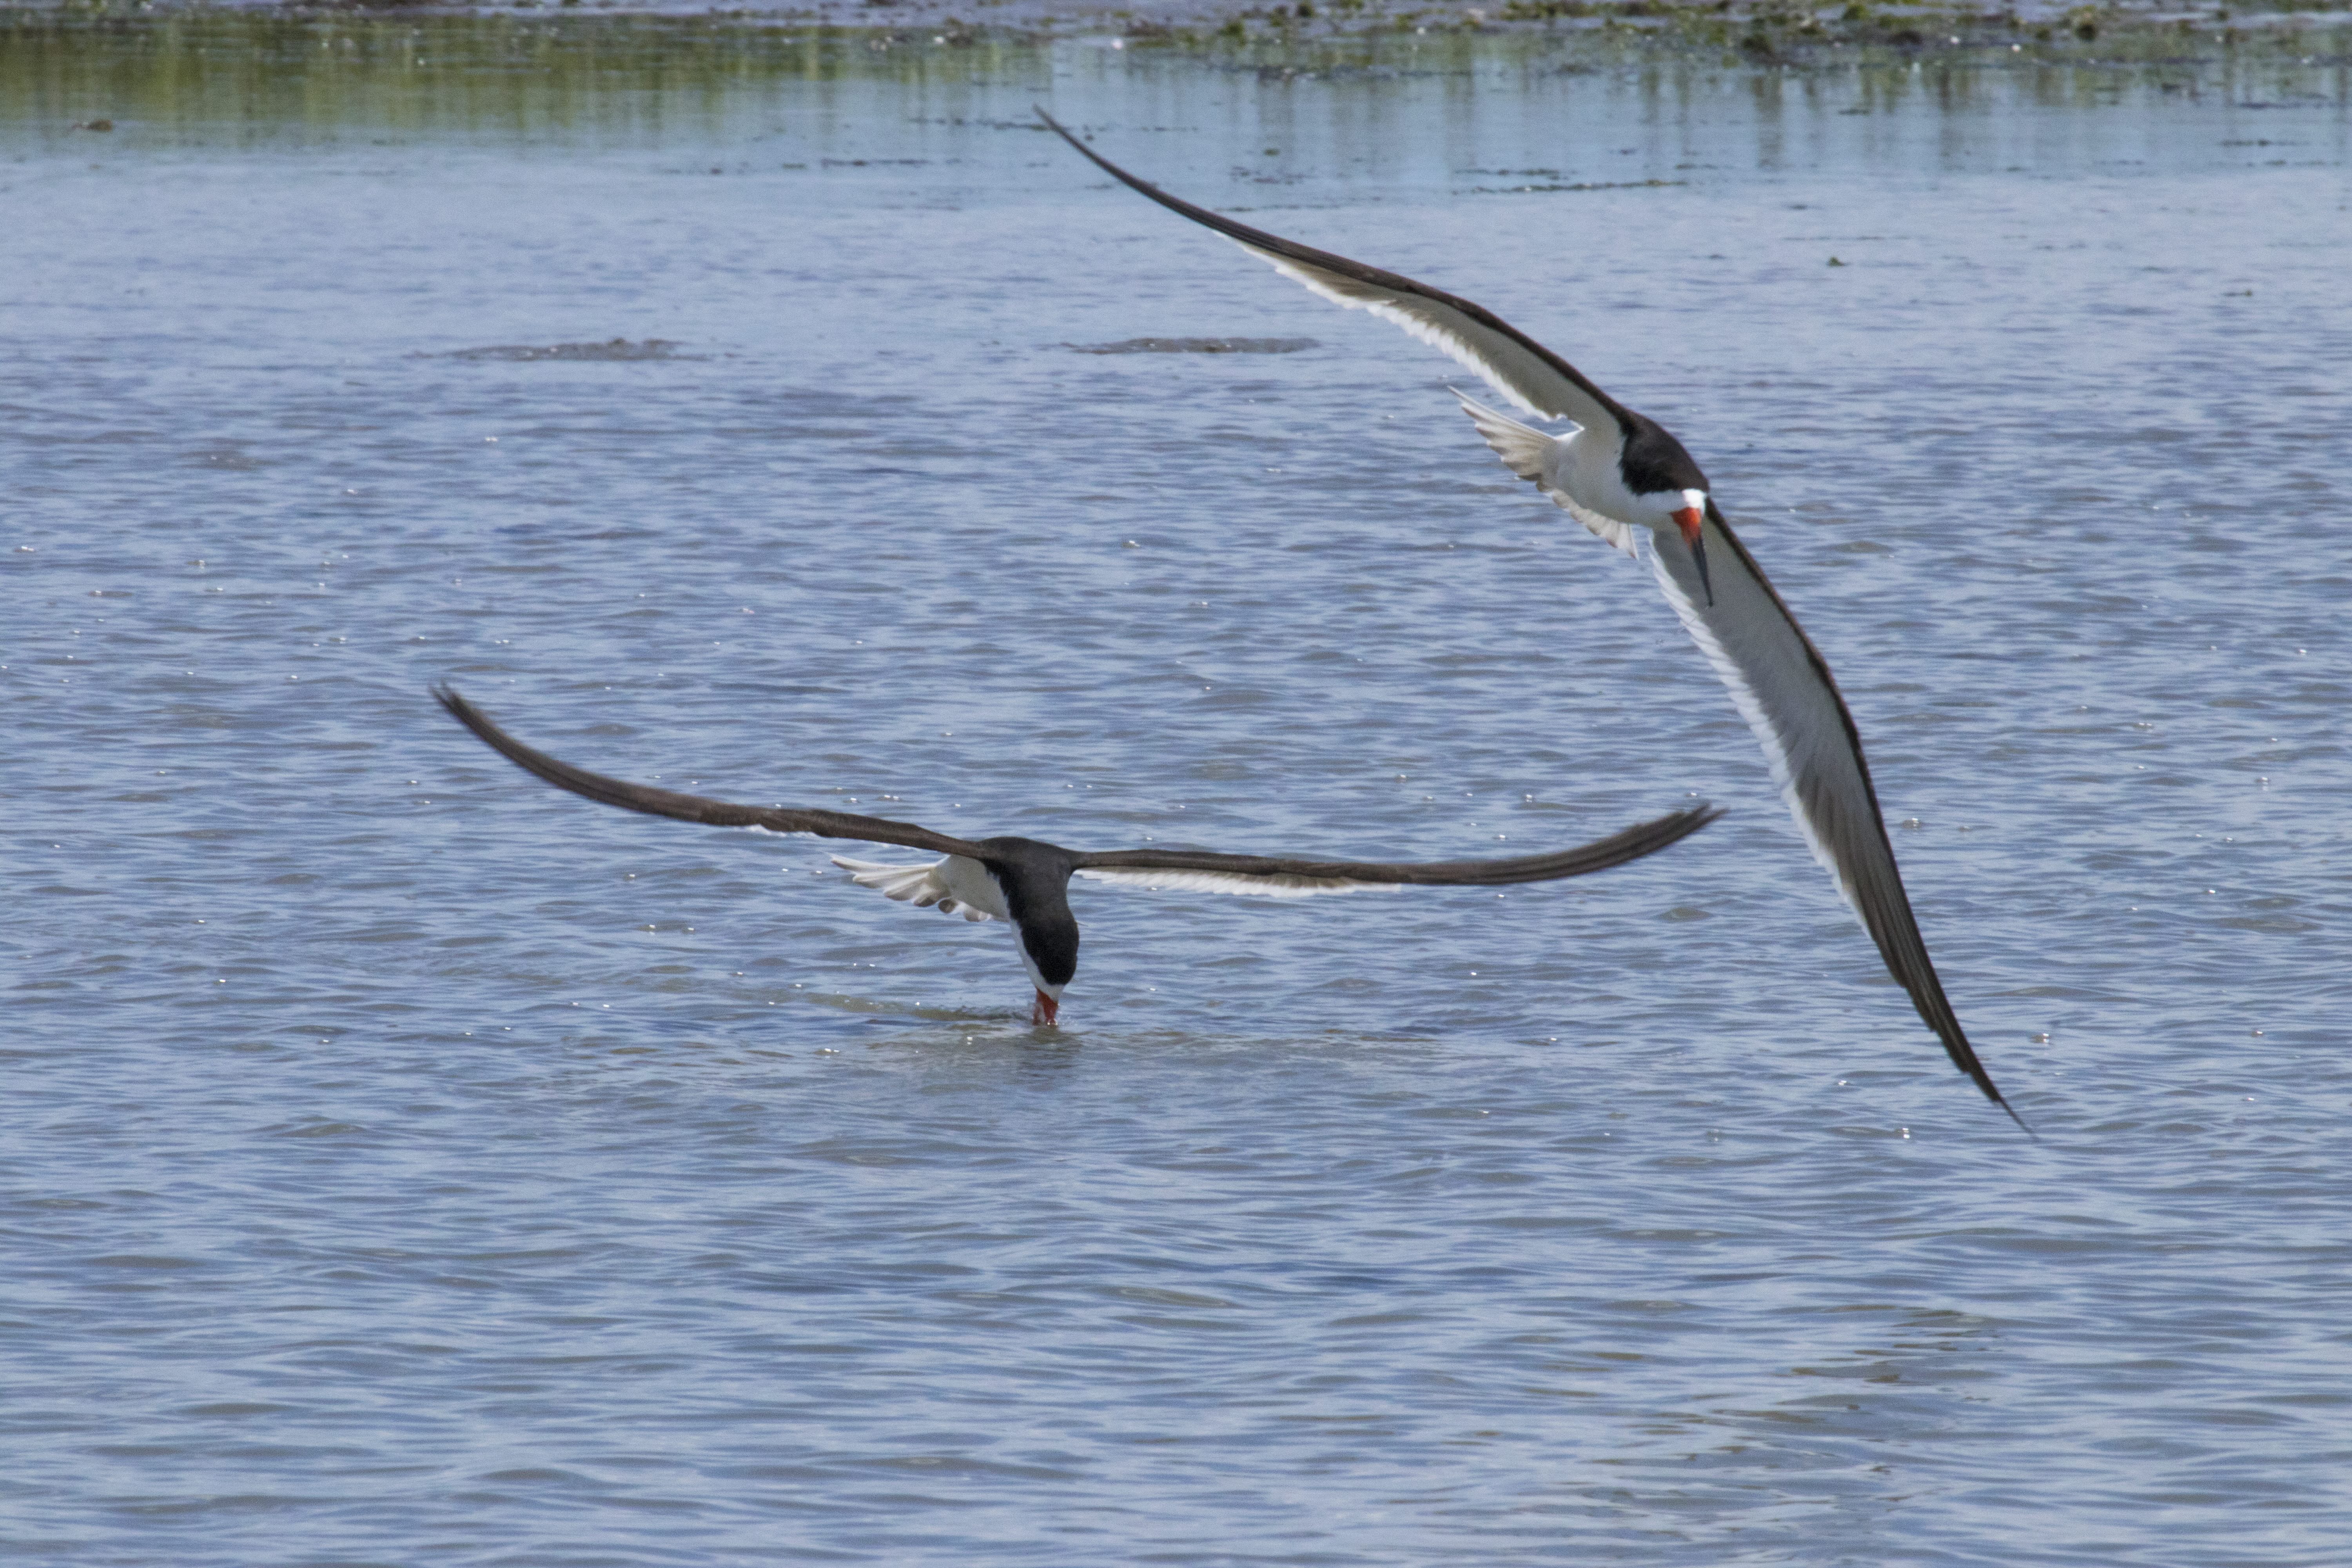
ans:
(405, 1162)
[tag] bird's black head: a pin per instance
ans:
(1660, 473)
(1035, 877)
(1654, 462)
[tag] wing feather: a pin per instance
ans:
(924, 886)
(1530, 453)
(695, 807)
(1276, 885)
(1515, 365)
(1784, 688)
(1208, 872)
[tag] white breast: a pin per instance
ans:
(1588, 470)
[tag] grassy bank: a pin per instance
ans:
(90, 65)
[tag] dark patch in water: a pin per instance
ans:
(1198, 346)
(617, 348)
(1580, 185)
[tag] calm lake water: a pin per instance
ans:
(404, 1162)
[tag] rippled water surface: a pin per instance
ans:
(406, 1162)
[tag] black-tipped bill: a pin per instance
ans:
(1690, 520)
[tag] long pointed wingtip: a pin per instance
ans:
(1064, 132)
(1965, 1058)
(455, 705)
(1682, 824)
(1141, 186)
(1985, 1083)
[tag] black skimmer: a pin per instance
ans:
(1025, 881)
(1626, 477)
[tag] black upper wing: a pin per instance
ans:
(1514, 363)
(695, 807)
(1210, 872)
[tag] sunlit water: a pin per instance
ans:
(406, 1162)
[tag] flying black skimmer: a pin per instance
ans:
(1626, 477)
(1025, 881)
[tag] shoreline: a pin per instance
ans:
(1752, 33)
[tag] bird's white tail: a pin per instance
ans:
(1524, 449)
(922, 885)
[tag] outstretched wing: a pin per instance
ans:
(1784, 688)
(695, 807)
(1202, 870)
(1513, 364)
